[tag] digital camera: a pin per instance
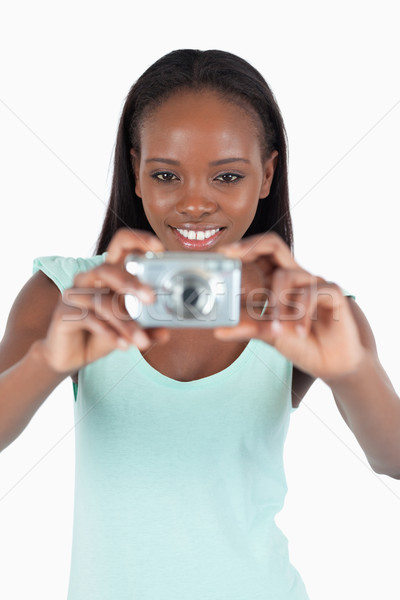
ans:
(192, 289)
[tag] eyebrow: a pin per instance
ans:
(225, 161)
(214, 163)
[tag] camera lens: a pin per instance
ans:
(190, 296)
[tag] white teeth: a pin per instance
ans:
(197, 235)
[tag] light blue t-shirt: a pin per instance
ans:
(178, 483)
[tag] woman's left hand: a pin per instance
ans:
(307, 319)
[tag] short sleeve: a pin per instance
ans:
(62, 270)
(348, 294)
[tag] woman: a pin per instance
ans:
(180, 432)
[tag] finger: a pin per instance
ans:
(241, 332)
(159, 334)
(254, 280)
(249, 329)
(126, 241)
(107, 338)
(328, 304)
(291, 298)
(270, 244)
(107, 277)
(104, 307)
(272, 332)
(70, 319)
(282, 294)
(286, 308)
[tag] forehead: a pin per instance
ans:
(204, 119)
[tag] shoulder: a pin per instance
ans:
(29, 318)
(62, 269)
(31, 312)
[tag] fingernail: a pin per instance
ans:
(145, 295)
(276, 326)
(235, 332)
(301, 331)
(222, 333)
(140, 338)
(123, 343)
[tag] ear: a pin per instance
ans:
(135, 167)
(269, 170)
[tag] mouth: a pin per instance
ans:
(198, 238)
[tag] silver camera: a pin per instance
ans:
(193, 289)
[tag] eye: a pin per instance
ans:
(229, 177)
(165, 176)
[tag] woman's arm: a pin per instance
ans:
(369, 404)
(49, 337)
(25, 379)
(327, 336)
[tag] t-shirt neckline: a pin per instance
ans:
(209, 380)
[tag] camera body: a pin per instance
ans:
(192, 289)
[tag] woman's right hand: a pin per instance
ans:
(90, 320)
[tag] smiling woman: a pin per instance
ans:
(215, 75)
(180, 431)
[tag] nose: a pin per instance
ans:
(195, 204)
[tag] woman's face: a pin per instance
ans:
(200, 171)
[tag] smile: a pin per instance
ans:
(190, 234)
(197, 238)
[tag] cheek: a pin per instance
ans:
(242, 212)
(156, 206)
(243, 205)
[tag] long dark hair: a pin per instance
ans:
(233, 78)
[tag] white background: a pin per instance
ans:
(333, 66)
